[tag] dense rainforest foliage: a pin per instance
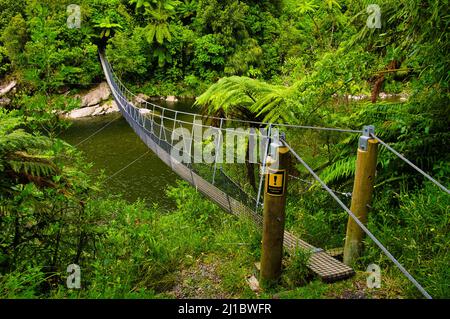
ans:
(285, 61)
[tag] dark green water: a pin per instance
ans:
(115, 147)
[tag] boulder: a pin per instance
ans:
(404, 97)
(111, 110)
(96, 95)
(385, 96)
(95, 110)
(83, 112)
(7, 88)
(358, 97)
(99, 110)
(140, 98)
(171, 98)
(110, 107)
(144, 111)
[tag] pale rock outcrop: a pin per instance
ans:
(404, 97)
(7, 88)
(99, 110)
(382, 96)
(171, 98)
(144, 111)
(140, 98)
(95, 110)
(83, 112)
(110, 107)
(96, 95)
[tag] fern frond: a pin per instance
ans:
(34, 165)
(261, 99)
(19, 140)
(339, 171)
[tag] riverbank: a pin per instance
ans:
(98, 101)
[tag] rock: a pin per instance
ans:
(144, 111)
(404, 97)
(99, 110)
(253, 283)
(171, 98)
(358, 97)
(95, 110)
(385, 96)
(110, 110)
(110, 107)
(96, 95)
(5, 89)
(382, 95)
(83, 112)
(140, 98)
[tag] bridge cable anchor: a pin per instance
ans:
(364, 139)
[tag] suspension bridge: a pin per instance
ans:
(154, 125)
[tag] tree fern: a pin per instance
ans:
(35, 165)
(23, 155)
(232, 94)
(340, 171)
(19, 140)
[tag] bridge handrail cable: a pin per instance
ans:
(360, 224)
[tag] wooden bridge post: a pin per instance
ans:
(366, 163)
(274, 214)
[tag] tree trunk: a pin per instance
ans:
(380, 80)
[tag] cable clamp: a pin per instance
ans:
(364, 139)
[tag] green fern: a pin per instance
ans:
(238, 96)
(23, 155)
(35, 165)
(19, 140)
(340, 171)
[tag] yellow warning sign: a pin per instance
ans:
(275, 182)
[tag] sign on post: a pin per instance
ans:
(276, 181)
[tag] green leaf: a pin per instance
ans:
(160, 34)
(151, 30)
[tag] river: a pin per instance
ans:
(116, 146)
